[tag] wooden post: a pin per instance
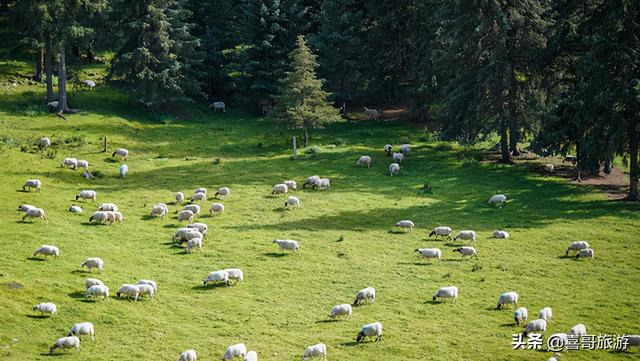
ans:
(105, 144)
(295, 149)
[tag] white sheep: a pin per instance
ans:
(430, 253)
(92, 282)
(193, 208)
(371, 113)
(500, 234)
(114, 217)
(179, 197)
(121, 152)
(508, 298)
(322, 183)
(193, 243)
(35, 213)
(198, 197)
(586, 253)
(69, 163)
(498, 199)
(446, 292)
(93, 262)
(108, 207)
(341, 310)
(397, 157)
(25, 207)
(151, 283)
(65, 343)
(292, 201)
(223, 191)
(130, 291)
(367, 295)
(45, 307)
(370, 330)
(310, 181)
(159, 210)
(203, 228)
(405, 149)
(441, 231)
(218, 106)
(82, 328)
(201, 190)
(53, 106)
(394, 168)
(87, 194)
(520, 315)
(280, 189)
(546, 314)
(146, 289)
(316, 351)
(185, 234)
(387, 149)
(576, 246)
(467, 251)
(47, 250)
(189, 355)
(32, 183)
(287, 244)
(82, 163)
(548, 169)
(405, 224)
(216, 208)
(186, 216)
(237, 350)
(578, 330)
(251, 356)
(75, 209)
(44, 142)
(235, 274)
(123, 170)
(466, 235)
(99, 216)
(291, 184)
(364, 160)
(217, 276)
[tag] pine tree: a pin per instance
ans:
(301, 102)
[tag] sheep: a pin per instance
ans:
(192, 243)
(571, 159)
(341, 310)
(370, 330)
(371, 113)
(65, 343)
(179, 197)
(319, 351)
(466, 235)
(291, 184)
(578, 330)
(364, 160)
(223, 191)
(235, 274)
(47, 250)
(25, 207)
(129, 291)
(632, 340)
(441, 231)
(45, 307)
(218, 106)
(75, 209)
(430, 253)
(587, 252)
(99, 216)
(146, 289)
(93, 262)
(97, 291)
(217, 276)
(92, 282)
(546, 314)
(107, 207)
(159, 210)
(185, 234)
(82, 328)
(69, 163)
(558, 336)
(287, 244)
(387, 149)
(280, 189)
(577, 246)
(446, 292)
(365, 295)
(82, 163)
(508, 298)
(114, 217)
(86, 174)
(203, 228)
(520, 315)
(500, 234)
(201, 190)
(394, 168)
(498, 199)
(189, 355)
(237, 350)
(32, 183)
(35, 213)
(397, 157)
(538, 325)
(405, 149)
(251, 356)
(89, 83)
(53, 106)
(87, 194)
(150, 283)
(121, 152)
(198, 197)
(310, 181)
(406, 224)
(467, 251)
(44, 142)
(216, 208)
(292, 201)
(123, 170)
(193, 208)
(323, 183)
(186, 216)
(548, 169)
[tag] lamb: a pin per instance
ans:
(93, 262)
(223, 191)
(323, 183)
(44, 142)
(287, 244)
(32, 183)
(405, 149)
(579, 330)
(387, 149)
(87, 194)
(548, 169)
(500, 234)
(35, 213)
(201, 227)
(83, 164)
(25, 207)
(251, 356)
(406, 224)
(92, 282)
(65, 343)
(99, 216)
(189, 355)
(546, 314)
(235, 274)
(198, 197)
(47, 250)
(114, 217)
(394, 168)
(310, 181)
(397, 157)
(129, 291)
(159, 210)
(371, 113)
(192, 243)
(341, 310)
(69, 163)
(218, 106)
(238, 350)
(441, 231)
(498, 199)
(319, 351)
(123, 170)
(150, 283)
(216, 208)
(45, 307)
(179, 197)
(280, 189)
(508, 298)
(121, 152)
(75, 209)
(217, 276)
(365, 295)
(364, 160)
(193, 208)
(370, 330)
(89, 83)
(587, 252)
(577, 246)
(185, 234)
(146, 289)
(292, 201)
(186, 216)
(520, 315)
(97, 291)
(466, 235)
(82, 328)
(446, 292)
(107, 207)
(467, 251)
(430, 253)
(291, 184)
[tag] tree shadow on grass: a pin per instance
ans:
(275, 254)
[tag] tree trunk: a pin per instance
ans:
(504, 144)
(295, 148)
(39, 64)
(90, 56)
(306, 136)
(48, 66)
(62, 81)
(75, 50)
(633, 154)
(514, 135)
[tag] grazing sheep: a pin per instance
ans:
(238, 350)
(446, 292)
(128, 291)
(159, 210)
(280, 189)
(251, 356)
(538, 325)
(371, 113)
(35, 213)
(46, 307)
(186, 216)
(323, 183)
(53, 106)
(223, 191)
(577, 247)
(47, 250)
(65, 343)
(201, 190)
(121, 152)
(192, 243)
(83, 164)
(86, 174)
(216, 208)
(292, 201)
(69, 163)
(500, 234)
(32, 183)
(150, 283)
(218, 106)
(189, 355)
(430, 252)
(235, 274)
(123, 170)
(394, 168)
(397, 157)
(370, 330)
(520, 315)
(99, 216)
(405, 149)
(185, 234)
(287, 244)
(367, 295)
(467, 251)
(508, 298)
(633, 340)
(146, 289)
(179, 197)
(579, 330)
(387, 149)
(203, 228)
(466, 235)
(89, 83)
(291, 184)
(441, 231)
(406, 224)
(587, 252)
(546, 314)
(198, 197)
(341, 310)
(93, 262)
(87, 194)
(114, 217)
(44, 142)
(498, 199)
(311, 352)
(193, 208)
(92, 282)
(75, 209)
(112, 207)
(364, 160)
(310, 181)
(571, 159)
(548, 169)
(25, 207)
(82, 328)
(217, 276)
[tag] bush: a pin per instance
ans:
(34, 110)
(51, 154)
(313, 151)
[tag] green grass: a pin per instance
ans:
(283, 304)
